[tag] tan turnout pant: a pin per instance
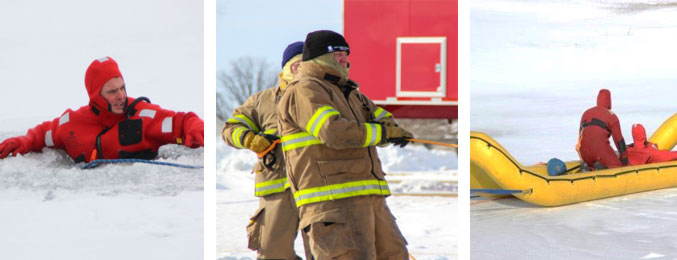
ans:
(359, 227)
(273, 227)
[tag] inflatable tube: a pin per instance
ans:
(491, 166)
(666, 135)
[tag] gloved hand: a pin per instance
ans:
(387, 122)
(255, 142)
(14, 145)
(195, 137)
(397, 135)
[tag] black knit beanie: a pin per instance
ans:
(324, 41)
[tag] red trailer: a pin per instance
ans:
(404, 54)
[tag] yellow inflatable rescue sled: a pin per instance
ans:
(493, 168)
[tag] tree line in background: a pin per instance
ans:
(244, 77)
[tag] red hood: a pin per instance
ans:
(638, 135)
(98, 73)
(604, 98)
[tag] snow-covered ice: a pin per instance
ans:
(535, 67)
(51, 209)
(416, 167)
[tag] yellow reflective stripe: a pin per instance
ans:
(318, 119)
(340, 191)
(298, 140)
(270, 187)
(381, 113)
(270, 131)
(373, 134)
(236, 137)
(244, 120)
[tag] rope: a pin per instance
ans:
(271, 147)
(499, 191)
(432, 142)
(98, 162)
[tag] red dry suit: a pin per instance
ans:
(643, 152)
(597, 124)
(94, 132)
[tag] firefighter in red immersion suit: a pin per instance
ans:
(112, 126)
(597, 124)
(643, 152)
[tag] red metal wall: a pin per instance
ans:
(372, 27)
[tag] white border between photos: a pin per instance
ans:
(463, 129)
(210, 124)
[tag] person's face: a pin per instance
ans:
(115, 94)
(295, 66)
(342, 58)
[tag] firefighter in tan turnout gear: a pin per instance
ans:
(329, 132)
(253, 126)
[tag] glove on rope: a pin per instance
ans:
(14, 145)
(397, 135)
(256, 143)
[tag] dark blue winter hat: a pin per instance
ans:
(291, 51)
(556, 167)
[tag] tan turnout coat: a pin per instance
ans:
(329, 134)
(258, 114)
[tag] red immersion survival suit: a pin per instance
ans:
(643, 152)
(94, 132)
(597, 124)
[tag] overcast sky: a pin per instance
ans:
(263, 29)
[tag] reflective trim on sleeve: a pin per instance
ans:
(318, 119)
(236, 137)
(341, 191)
(381, 113)
(65, 118)
(48, 138)
(272, 131)
(298, 140)
(244, 120)
(147, 113)
(373, 134)
(270, 187)
(167, 124)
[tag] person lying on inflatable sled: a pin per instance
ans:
(640, 152)
(643, 152)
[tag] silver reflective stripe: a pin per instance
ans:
(238, 119)
(147, 113)
(381, 114)
(319, 118)
(102, 59)
(64, 119)
(48, 138)
(339, 191)
(374, 134)
(167, 125)
(270, 187)
(299, 140)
